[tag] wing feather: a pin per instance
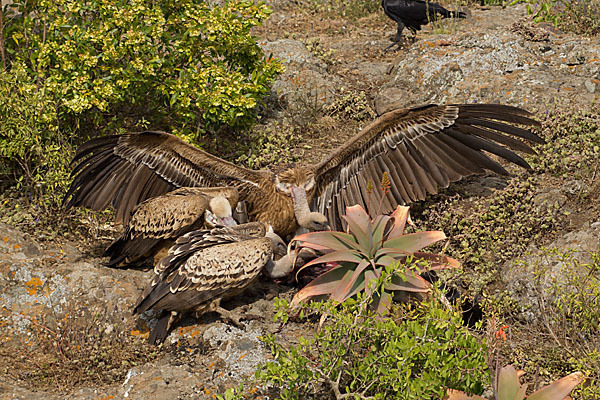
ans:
(422, 149)
(125, 170)
(194, 275)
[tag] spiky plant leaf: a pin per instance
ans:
(369, 246)
(382, 302)
(325, 240)
(358, 216)
(437, 261)
(334, 256)
(400, 216)
(409, 283)
(509, 388)
(508, 384)
(559, 389)
(414, 241)
(341, 292)
(324, 284)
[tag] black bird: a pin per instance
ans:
(415, 13)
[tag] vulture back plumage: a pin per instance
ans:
(202, 268)
(155, 223)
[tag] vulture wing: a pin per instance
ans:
(162, 218)
(125, 170)
(196, 272)
(421, 149)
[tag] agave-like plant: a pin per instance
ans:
(508, 387)
(359, 255)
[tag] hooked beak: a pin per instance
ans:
(228, 221)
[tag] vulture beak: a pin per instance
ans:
(228, 221)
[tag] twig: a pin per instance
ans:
(2, 38)
(335, 387)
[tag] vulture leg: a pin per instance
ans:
(397, 39)
(230, 316)
(398, 36)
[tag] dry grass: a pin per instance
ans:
(80, 348)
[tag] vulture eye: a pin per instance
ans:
(284, 187)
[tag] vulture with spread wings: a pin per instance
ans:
(421, 149)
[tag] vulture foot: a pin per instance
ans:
(233, 317)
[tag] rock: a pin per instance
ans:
(589, 86)
(550, 198)
(293, 53)
(305, 87)
(528, 278)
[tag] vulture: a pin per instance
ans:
(415, 13)
(421, 149)
(155, 223)
(207, 266)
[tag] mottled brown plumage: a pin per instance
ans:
(422, 149)
(203, 268)
(157, 222)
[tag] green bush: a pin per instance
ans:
(34, 150)
(571, 316)
(416, 354)
(577, 16)
(78, 68)
(182, 64)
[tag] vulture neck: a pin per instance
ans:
(278, 269)
(301, 208)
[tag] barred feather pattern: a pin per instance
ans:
(206, 265)
(163, 218)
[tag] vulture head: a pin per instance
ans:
(219, 212)
(280, 265)
(299, 184)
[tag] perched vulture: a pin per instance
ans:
(415, 13)
(421, 149)
(155, 223)
(207, 266)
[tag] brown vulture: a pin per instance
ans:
(155, 223)
(207, 266)
(422, 149)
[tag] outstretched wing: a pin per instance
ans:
(421, 149)
(125, 170)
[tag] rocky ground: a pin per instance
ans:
(61, 305)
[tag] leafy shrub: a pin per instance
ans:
(76, 67)
(570, 314)
(572, 146)
(34, 150)
(184, 64)
(578, 16)
(357, 353)
(360, 256)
